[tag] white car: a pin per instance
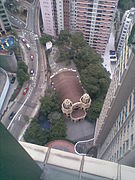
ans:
(28, 46)
(32, 72)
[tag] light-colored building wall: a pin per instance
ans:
(60, 15)
(127, 24)
(72, 15)
(94, 19)
(115, 130)
(4, 87)
(47, 16)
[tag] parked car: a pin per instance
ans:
(112, 52)
(25, 90)
(112, 57)
(28, 46)
(32, 72)
(12, 80)
(12, 115)
(23, 40)
(32, 57)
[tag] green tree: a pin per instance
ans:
(63, 39)
(95, 108)
(22, 73)
(58, 130)
(44, 39)
(35, 134)
(77, 41)
(49, 104)
(95, 80)
(54, 116)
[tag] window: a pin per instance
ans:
(127, 145)
(132, 140)
(123, 148)
(120, 151)
(130, 103)
(117, 154)
(132, 120)
(126, 109)
(134, 96)
(123, 115)
(128, 128)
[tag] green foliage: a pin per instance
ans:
(50, 107)
(34, 134)
(77, 41)
(49, 104)
(131, 39)
(126, 4)
(93, 75)
(95, 109)
(22, 73)
(95, 80)
(63, 39)
(58, 129)
(54, 116)
(44, 39)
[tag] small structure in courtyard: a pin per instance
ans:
(75, 102)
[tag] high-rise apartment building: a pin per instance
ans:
(94, 19)
(4, 21)
(127, 24)
(55, 14)
(115, 128)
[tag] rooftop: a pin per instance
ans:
(59, 165)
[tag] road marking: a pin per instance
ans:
(19, 117)
(19, 109)
(11, 127)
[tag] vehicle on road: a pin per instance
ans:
(12, 80)
(112, 57)
(12, 115)
(32, 57)
(112, 52)
(23, 40)
(28, 46)
(25, 90)
(32, 72)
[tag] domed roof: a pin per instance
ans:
(85, 98)
(67, 103)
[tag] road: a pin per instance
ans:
(27, 105)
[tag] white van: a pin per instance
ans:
(28, 46)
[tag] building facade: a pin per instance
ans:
(4, 81)
(4, 21)
(115, 129)
(92, 17)
(127, 24)
(55, 15)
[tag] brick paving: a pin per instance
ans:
(61, 145)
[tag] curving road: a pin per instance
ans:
(28, 105)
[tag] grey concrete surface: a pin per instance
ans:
(79, 131)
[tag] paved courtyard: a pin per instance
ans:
(80, 130)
